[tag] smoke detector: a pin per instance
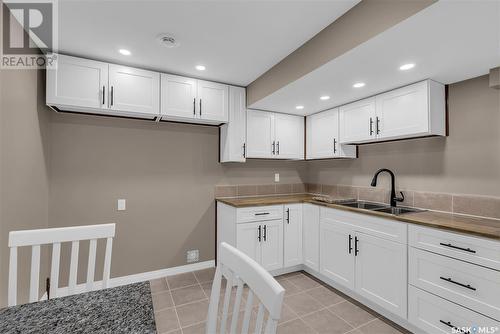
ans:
(167, 41)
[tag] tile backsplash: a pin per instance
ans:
(474, 205)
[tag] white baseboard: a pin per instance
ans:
(141, 277)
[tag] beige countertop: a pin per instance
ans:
(483, 227)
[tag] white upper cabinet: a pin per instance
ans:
(134, 90)
(77, 82)
(357, 121)
(322, 137)
(88, 86)
(289, 136)
(213, 101)
(233, 134)
(416, 110)
(194, 101)
(178, 96)
(260, 134)
(404, 112)
(274, 136)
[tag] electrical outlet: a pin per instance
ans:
(122, 205)
(193, 255)
(276, 177)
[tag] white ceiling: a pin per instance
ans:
(237, 41)
(449, 41)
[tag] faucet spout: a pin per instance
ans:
(394, 199)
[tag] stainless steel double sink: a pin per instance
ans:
(372, 206)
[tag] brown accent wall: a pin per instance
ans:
(364, 21)
(466, 162)
(24, 168)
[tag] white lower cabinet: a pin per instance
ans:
(292, 237)
(262, 241)
(272, 245)
(433, 314)
(456, 286)
(310, 235)
(248, 238)
(381, 272)
(372, 266)
(337, 253)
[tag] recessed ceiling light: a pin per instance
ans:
(324, 97)
(299, 107)
(406, 67)
(359, 84)
(125, 52)
(200, 67)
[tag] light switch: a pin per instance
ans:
(121, 205)
(276, 177)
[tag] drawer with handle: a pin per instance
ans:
(482, 251)
(433, 314)
(469, 285)
(259, 213)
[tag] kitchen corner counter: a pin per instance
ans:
(484, 227)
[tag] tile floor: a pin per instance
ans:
(181, 304)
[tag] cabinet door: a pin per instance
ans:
(233, 134)
(322, 129)
(336, 258)
(178, 97)
(213, 101)
(247, 239)
(292, 235)
(381, 274)
(260, 134)
(78, 82)
(357, 122)
(289, 136)
(272, 244)
(134, 91)
(310, 235)
(403, 112)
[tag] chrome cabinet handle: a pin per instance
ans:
(334, 145)
(265, 233)
(112, 96)
(244, 150)
(103, 94)
(259, 237)
(371, 126)
(200, 107)
(261, 213)
(278, 148)
(350, 244)
(274, 147)
(194, 106)
(377, 125)
(288, 216)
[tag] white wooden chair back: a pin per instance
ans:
(56, 236)
(240, 270)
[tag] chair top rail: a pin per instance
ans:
(65, 234)
(257, 278)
